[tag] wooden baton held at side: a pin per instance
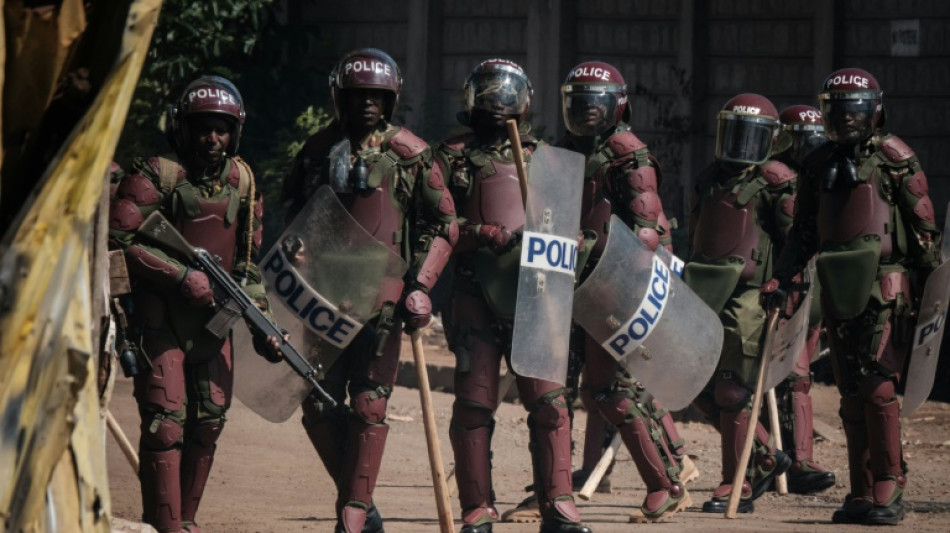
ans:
(765, 352)
(443, 506)
(781, 481)
(601, 469)
(122, 441)
(518, 154)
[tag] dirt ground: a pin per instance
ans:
(267, 478)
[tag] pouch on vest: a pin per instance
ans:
(847, 275)
(714, 282)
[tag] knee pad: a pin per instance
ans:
(208, 431)
(161, 431)
(617, 407)
(730, 395)
(551, 413)
(370, 405)
(470, 415)
(878, 390)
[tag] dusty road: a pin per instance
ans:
(267, 478)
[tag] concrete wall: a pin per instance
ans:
(681, 58)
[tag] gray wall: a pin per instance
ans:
(681, 58)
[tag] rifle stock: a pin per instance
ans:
(230, 295)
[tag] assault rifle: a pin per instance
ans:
(232, 301)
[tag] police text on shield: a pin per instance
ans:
(319, 315)
(548, 252)
(647, 316)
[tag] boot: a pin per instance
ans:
(732, 430)
(805, 476)
(472, 449)
(886, 462)
(159, 477)
(664, 496)
(854, 510)
(526, 512)
(561, 516)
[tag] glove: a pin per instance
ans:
(772, 295)
(498, 239)
(417, 310)
(196, 288)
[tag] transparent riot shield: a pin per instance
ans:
(323, 281)
(648, 319)
(542, 321)
(928, 334)
(790, 337)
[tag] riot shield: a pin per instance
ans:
(323, 281)
(790, 336)
(542, 323)
(928, 334)
(648, 319)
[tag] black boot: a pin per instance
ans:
(852, 511)
(373, 524)
(559, 526)
(767, 470)
(889, 515)
(482, 528)
(806, 477)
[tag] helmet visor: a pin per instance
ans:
(589, 113)
(498, 92)
(805, 142)
(848, 120)
(744, 138)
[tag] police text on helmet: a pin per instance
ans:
(595, 72)
(212, 92)
(365, 65)
(748, 109)
(847, 79)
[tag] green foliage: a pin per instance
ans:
(194, 37)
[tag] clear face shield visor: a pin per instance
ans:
(589, 110)
(805, 140)
(848, 118)
(498, 92)
(745, 138)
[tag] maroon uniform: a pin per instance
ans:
(385, 192)
(864, 209)
(208, 194)
(621, 178)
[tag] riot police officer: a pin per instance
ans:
(864, 209)
(801, 134)
(385, 192)
(480, 171)
(622, 177)
(184, 389)
(741, 208)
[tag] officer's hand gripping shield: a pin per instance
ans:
(790, 336)
(323, 277)
(648, 319)
(928, 334)
(542, 323)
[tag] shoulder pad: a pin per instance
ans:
(456, 144)
(777, 173)
(624, 143)
(896, 150)
(169, 171)
(406, 145)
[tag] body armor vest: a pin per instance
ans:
(728, 228)
(495, 196)
(848, 213)
(377, 213)
(596, 206)
(210, 231)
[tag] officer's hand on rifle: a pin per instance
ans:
(416, 309)
(269, 347)
(772, 295)
(196, 288)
